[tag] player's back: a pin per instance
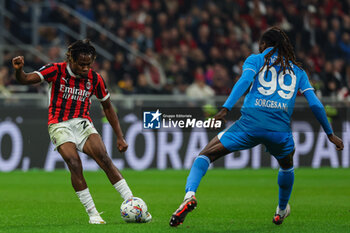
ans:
(270, 101)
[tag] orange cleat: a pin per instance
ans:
(179, 215)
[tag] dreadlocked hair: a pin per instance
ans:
(278, 39)
(80, 47)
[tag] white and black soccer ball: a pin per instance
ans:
(135, 210)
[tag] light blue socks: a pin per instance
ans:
(198, 170)
(285, 182)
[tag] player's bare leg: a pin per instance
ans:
(210, 153)
(285, 182)
(214, 149)
(95, 148)
(70, 155)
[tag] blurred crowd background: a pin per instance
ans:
(200, 44)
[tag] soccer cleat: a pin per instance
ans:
(278, 218)
(96, 219)
(148, 217)
(179, 215)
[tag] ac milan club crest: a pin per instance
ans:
(88, 85)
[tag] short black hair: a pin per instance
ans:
(80, 47)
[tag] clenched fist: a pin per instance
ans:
(18, 62)
(122, 145)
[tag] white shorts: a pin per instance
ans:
(75, 130)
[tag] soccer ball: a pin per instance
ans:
(135, 210)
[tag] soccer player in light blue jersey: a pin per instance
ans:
(274, 77)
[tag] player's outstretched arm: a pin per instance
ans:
(238, 90)
(21, 77)
(318, 110)
(114, 121)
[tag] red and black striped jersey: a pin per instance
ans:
(70, 94)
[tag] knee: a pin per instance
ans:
(286, 164)
(207, 154)
(74, 164)
(211, 158)
(203, 152)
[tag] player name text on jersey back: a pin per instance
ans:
(271, 104)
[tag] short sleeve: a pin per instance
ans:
(251, 63)
(101, 91)
(304, 84)
(47, 72)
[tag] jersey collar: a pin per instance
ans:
(70, 71)
(267, 50)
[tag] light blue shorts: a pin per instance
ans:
(279, 144)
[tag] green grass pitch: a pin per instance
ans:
(228, 201)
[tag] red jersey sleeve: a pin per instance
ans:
(47, 72)
(101, 91)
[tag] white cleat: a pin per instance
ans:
(280, 215)
(96, 219)
(148, 217)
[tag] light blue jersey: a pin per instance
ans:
(270, 101)
(268, 107)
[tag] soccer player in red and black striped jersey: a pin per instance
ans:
(72, 84)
